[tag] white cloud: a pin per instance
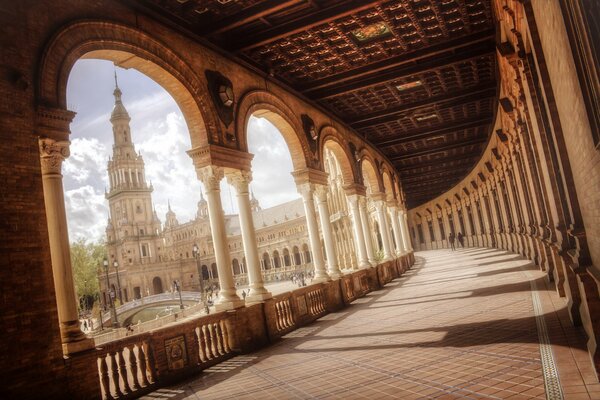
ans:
(87, 211)
(87, 160)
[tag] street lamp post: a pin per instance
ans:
(179, 290)
(113, 311)
(196, 253)
(116, 265)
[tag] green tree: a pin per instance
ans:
(86, 259)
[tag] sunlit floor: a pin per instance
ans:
(457, 325)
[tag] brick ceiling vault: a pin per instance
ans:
(416, 78)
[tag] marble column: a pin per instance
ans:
(396, 230)
(211, 177)
(359, 238)
(240, 181)
(404, 227)
(332, 257)
(52, 154)
(383, 226)
(307, 192)
(364, 219)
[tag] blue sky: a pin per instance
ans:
(160, 133)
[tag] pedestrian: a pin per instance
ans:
(243, 294)
(451, 240)
(91, 324)
(85, 325)
(461, 239)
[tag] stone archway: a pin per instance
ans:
(263, 104)
(157, 286)
(370, 176)
(129, 48)
(332, 140)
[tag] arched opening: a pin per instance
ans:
(152, 112)
(214, 270)
(205, 274)
(157, 286)
(306, 251)
(266, 261)
(236, 266)
(287, 261)
(276, 259)
(297, 257)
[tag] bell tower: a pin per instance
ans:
(133, 228)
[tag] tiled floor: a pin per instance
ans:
(457, 325)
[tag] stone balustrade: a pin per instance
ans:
(135, 365)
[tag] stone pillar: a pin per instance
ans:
(240, 180)
(359, 238)
(332, 257)
(307, 192)
(211, 177)
(404, 227)
(397, 233)
(383, 226)
(364, 220)
(52, 154)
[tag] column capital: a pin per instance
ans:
(210, 176)
(306, 190)
(52, 154)
(320, 192)
(239, 179)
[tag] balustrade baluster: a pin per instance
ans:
(219, 335)
(105, 378)
(123, 371)
(208, 340)
(150, 362)
(226, 343)
(114, 368)
(134, 368)
(213, 340)
(201, 344)
(278, 316)
(143, 365)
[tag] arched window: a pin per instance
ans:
(276, 259)
(287, 260)
(157, 286)
(306, 251)
(297, 258)
(215, 271)
(266, 261)
(236, 266)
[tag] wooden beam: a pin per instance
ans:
(252, 13)
(301, 24)
(435, 150)
(412, 62)
(445, 100)
(439, 163)
(428, 132)
(416, 177)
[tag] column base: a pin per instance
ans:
(78, 346)
(365, 265)
(336, 275)
(321, 279)
(229, 305)
(258, 298)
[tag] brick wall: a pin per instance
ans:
(583, 157)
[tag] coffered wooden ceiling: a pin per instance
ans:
(416, 78)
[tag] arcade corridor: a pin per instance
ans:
(457, 325)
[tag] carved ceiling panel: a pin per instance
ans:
(416, 78)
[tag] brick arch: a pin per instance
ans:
(266, 105)
(331, 139)
(371, 177)
(112, 41)
(386, 178)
